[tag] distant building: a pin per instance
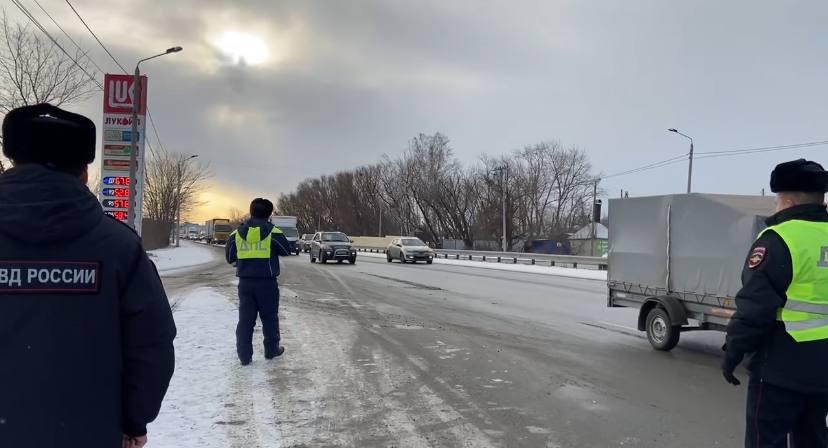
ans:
(582, 242)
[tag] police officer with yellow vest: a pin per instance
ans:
(255, 248)
(781, 319)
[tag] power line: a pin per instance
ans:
(155, 130)
(738, 152)
(650, 166)
(32, 18)
(716, 154)
(68, 36)
(114, 59)
(96, 37)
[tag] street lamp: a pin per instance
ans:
(502, 171)
(133, 156)
(178, 199)
(690, 169)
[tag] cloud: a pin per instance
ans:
(345, 82)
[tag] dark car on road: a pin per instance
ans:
(332, 246)
(305, 242)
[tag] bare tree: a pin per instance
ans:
(427, 192)
(34, 70)
(172, 181)
(238, 217)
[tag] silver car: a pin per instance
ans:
(409, 249)
(305, 243)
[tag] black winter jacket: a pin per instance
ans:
(777, 359)
(257, 269)
(86, 331)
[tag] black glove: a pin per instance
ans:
(728, 366)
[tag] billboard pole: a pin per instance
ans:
(133, 151)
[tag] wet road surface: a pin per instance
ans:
(401, 355)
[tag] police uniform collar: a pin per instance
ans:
(805, 212)
(257, 222)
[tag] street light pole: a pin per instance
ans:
(133, 150)
(502, 171)
(592, 232)
(690, 168)
(178, 199)
(133, 153)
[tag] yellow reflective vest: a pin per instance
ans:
(253, 246)
(805, 313)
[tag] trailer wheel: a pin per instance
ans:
(661, 333)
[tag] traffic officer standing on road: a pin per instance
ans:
(255, 247)
(86, 331)
(782, 315)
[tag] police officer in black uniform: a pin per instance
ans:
(781, 319)
(255, 248)
(86, 331)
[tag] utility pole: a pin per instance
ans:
(133, 153)
(178, 198)
(690, 168)
(380, 221)
(503, 183)
(592, 233)
(502, 171)
(133, 149)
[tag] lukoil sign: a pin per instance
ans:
(119, 95)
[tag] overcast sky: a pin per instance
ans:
(273, 92)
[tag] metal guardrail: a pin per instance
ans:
(511, 257)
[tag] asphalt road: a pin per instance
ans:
(404, 355)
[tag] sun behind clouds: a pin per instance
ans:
(243, 48)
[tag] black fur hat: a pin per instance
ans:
(47, 135)
(800, 176)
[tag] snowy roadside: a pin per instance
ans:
(214, 402)
(171, 260)
(330, 388)
(588, 274)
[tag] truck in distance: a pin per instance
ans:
(287, 224)
(218, 230)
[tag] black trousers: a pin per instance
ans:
(257, 298)
(776, 415)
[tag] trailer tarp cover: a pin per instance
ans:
(707, 236)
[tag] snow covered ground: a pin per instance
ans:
(214, 402)
(174, 259)
(588, 274)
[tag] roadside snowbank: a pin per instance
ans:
(588, 274)
(179, 258)
(214, 402)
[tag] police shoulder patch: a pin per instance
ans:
(757, 256)
(49, 277)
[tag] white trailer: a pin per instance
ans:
(679, 258)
